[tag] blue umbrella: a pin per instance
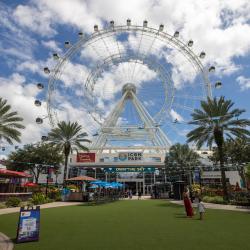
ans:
(98, 182)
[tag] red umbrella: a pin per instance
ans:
(30, 184)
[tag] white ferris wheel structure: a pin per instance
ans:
(134, 84)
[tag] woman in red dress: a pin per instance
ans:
(188, 205)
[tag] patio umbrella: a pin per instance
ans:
(98, 182)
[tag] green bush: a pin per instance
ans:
(2, 205)
(55, 194)
(13, 202)
(214, 199)
(40, 198)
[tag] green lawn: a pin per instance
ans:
(151, 224)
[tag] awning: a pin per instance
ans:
(81, 178)
(30, 184)
(10, 173)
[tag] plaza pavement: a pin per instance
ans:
(47, 205)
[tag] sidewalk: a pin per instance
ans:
(217, 206)
(135, 197)
(5, 242)
(47, 205)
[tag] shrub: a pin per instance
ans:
(55, 194)
(214, 199)
(39, 198)
(2, 205)
(72, 187)
(196, 188)
(13, 202)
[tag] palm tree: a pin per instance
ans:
(9, 123)
(238, 154)
(181, 159)
(68, 137)
(216, 122)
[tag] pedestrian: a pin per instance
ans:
(188, 205)
(201, 209)
(130, 194)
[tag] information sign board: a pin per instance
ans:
(28, 225)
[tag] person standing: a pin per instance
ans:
(201, 208)
(188, 205)
(130, 194)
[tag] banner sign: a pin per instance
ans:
(196, 176)
(130, 169)
(130, 156)
(28, 225)
(85, 157)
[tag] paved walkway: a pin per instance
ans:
(5, 242)
(135, 197)
(47, 205)
(217, 206)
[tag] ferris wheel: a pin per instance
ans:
(167, 77)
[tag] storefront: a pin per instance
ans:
(12, 184)
(138, 171)
(214, 177)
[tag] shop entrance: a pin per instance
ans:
(133, 185)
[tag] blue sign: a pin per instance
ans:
(28, 225)
(196, 176)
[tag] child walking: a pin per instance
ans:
(201, 208)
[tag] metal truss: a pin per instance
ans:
(149, 131)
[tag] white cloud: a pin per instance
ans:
(14, 42)
(36, 19)
(75, 13)
(52, 45)
(73, 74)
(175, 116)
(112, 81)
(243, 82)
(220, 28)
(21, 96)
(148, 103)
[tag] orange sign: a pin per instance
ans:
(85, 157)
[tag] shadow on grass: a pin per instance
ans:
(180, 216)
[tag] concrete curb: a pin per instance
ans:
(47, 205)
(5, 242)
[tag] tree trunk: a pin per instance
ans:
(36, 175)
(65, 168)
(219, 140)
(223, 174)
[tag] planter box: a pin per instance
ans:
(22, 196)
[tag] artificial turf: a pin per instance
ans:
(149, 224)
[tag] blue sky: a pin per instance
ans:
(31, 31)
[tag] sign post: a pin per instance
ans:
(28, 224)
